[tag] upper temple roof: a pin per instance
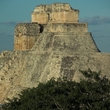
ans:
(55, 13)
(54, 7)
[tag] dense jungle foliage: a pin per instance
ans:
(92, 93)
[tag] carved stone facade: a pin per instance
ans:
(66, 27)
(26, 34)
(55, 13)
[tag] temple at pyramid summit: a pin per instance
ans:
(57, 18)
(54, 44)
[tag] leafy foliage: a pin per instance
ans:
(90, 94)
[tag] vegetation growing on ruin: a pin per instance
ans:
(93, 93)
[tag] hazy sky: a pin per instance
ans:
(95, 12)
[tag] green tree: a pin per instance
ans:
(90, 94)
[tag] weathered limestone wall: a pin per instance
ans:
(20, 70)
(64, 17)
(52, 7)
(66, 27)
(41, 18)
(11, 64)
(26, 34)
(66, 42)
(24, 42)
(55, 13)
(61, 7)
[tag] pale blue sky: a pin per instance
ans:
(95, 12)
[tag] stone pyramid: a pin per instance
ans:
(55, 44)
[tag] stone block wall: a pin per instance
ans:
(64, 17)
(41, 18)
(55, 7)
(55, 13)
(26, 35)
(66, 27)
(24, 42)
(61, 7)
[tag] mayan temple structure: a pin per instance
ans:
(55, 44)
(55, 18)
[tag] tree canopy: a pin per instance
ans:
(93, 93)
